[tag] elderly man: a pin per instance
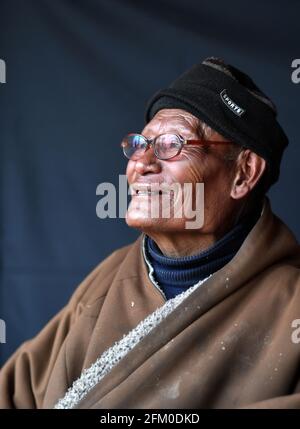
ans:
(183, 317)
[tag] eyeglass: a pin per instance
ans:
(165, 146)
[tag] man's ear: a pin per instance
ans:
(249, 169)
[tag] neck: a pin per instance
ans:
(176, 244)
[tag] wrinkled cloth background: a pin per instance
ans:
(79, 73)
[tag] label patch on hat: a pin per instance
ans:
(235, 108)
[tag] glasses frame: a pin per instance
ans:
(151, 143)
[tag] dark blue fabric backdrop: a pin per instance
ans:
(78, 76)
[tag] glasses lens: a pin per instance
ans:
(134, 146)
(167, 146)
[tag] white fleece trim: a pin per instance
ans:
(151, 269)
(111, 357)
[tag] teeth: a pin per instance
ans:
(138, 192)
(147, 193)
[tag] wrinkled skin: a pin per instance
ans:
(226, 187)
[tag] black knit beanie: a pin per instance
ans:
(227, 100)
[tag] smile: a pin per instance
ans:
(148, 192)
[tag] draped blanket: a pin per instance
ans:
(228, 342)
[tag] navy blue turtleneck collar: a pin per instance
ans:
(174, 275)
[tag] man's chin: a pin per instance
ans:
(142, 223)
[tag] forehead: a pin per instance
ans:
(172, 120)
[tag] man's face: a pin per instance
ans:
(194, 164)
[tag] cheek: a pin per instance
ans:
(198, 168)
(188, 170)
(130, 170)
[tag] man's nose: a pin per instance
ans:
(148, 163)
